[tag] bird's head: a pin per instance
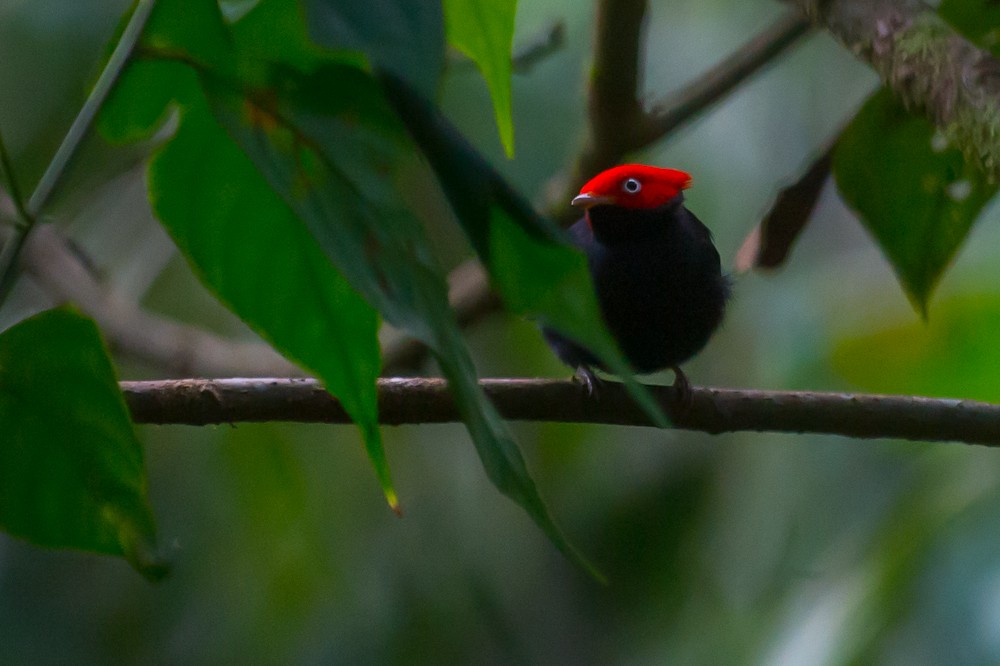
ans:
(632, 186)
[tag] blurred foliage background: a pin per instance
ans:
(739, 548)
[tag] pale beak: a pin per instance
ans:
(589, 200)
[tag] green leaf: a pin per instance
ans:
(191, 29)
(331, 158)
(536, 272)
(402, 36)
(953, 355)
(484, 31)
(275, 32)
(914, 193)
(139, 103)
(253, 252)
(71, 468)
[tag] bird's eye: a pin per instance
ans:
(632, 185)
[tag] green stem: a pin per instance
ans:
(71, 142)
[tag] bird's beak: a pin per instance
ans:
(589, 200)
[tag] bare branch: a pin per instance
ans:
(175, 348)
(615, 84)
(424, 400)
(768, 245)
(673, 111)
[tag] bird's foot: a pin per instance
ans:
(684, 399)
(591, 382)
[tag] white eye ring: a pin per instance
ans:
(632, 186)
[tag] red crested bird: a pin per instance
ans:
(656, 272)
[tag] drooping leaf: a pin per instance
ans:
(402, 36)
(321, 134)
(913, 192)
(331, 158)
(252, 251)
(484, 31)
(71, 469)
(536, 272)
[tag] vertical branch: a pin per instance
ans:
(615, 85)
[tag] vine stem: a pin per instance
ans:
(30, 210)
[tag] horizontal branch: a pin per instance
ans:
(713, 410)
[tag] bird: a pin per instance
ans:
(655, 269)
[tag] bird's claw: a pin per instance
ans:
(591, 382)
(684, 396)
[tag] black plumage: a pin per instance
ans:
(659, 284)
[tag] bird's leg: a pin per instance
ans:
(682, 389)
(591, 382)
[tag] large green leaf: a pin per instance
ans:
(484, 31)
(536, 272)
(402, 36)
(192, 30)
(275, 32)
(248, 247)
(330, 157)
(71, 468)
(914, 193)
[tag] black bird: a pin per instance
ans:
(656, 272)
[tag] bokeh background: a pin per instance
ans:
(741, 548)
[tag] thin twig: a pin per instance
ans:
(673, 111)
(550, 40)
(70, 143)
(713, 410)
(769, 243)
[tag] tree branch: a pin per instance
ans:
(929, 66)
(424, 400)
(615, 86)
(769, 243)
(673, 111)
(175, 348)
